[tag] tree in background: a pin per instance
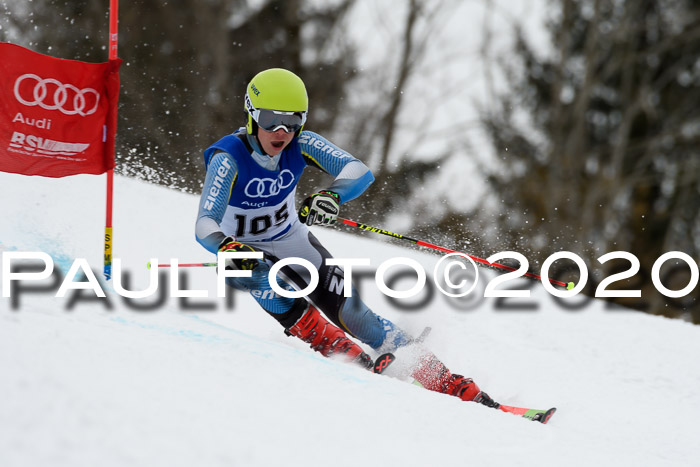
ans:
(599, 139)
(186, 66)
(595, 139)
(372, 133)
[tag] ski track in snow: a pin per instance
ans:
(172, 386)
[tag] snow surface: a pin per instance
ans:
(172, 386)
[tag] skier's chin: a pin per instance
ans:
(276, 147)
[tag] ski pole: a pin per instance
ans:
(183, 265)
(358, 225)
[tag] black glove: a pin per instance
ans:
(320, 208)
(230, 245)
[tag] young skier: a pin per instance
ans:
(247, 204)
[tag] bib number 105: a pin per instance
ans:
(258, 225)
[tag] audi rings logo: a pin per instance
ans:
(266, 187)
(51, 94)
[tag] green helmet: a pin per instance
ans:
(280, 91)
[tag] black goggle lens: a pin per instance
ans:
(269, 120)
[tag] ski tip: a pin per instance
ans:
(382, 362)
(423, 335)
(545, 416)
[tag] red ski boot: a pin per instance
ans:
(327, 338)
(432, 374)
(467, 390)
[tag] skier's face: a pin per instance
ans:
(273, 142)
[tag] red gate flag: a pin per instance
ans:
(57, 117)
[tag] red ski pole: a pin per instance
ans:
(358, 225)
(183, 265)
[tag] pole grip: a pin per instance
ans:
(182, 265)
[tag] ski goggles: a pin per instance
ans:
(273, 120)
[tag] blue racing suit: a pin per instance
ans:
(250, 196)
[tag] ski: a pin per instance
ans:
(383, 362)
(423, 335)
(535, 415)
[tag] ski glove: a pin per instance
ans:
(320, 208)
(230, 245)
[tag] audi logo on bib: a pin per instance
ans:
(32, 90)
(57, 117)
(267, 187)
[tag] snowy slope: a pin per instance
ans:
(172, 386)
